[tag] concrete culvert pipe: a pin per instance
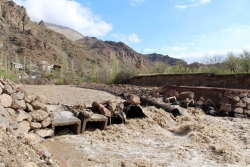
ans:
(145, 101)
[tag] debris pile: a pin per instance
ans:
(23, 123)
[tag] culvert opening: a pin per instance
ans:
(92, 126)
(67, 129)
(115, 120)
(135, 112)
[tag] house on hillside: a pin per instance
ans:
(44, 66)
(16, 66)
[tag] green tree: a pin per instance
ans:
(232, 62)
(245, 61)
(160, 67)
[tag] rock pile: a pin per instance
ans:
(23, 124)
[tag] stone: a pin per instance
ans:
(22, 115)
(39, 115)
(1, 90)
(134, 100)
(242, 95)
(235, 99)
(172, 93)
(31, 164)
(248, 95)
(209, 102)
(27, 98)
(246, 100)
(237, 115)
(6, 100)
(45, 132)
(18, 104)
(11, 112)
(36, 105)
(17, 96)
(111, 106)
(240, 105)
(35, 125)
(247, 112)
(46, 122)
(8, 89)
(33, 138)
(248, 107)
(185, 102)
(184, 95)
(199, 104)
(1, 85)
(238, 110)
(225, 107)
(103, 110)
(25, 126)
(155, 94)
(29, 107)
(3, 111)
(41, 98)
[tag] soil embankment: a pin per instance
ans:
(234, 81)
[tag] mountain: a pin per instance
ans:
(68, 32)
(20, 37)
(154, 57)
(125, 54)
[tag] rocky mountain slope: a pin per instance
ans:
(163, 58)
(22, 37)
(68, 32)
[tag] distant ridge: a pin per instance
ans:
(68, 32)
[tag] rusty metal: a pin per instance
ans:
(168, 108)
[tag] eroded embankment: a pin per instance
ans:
(237, 81)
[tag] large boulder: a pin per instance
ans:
(225, 107)
(17, 96)
(36, 105)
(25, 126)
(3, 111)
(35, 125)
(18, 104)
(45, 132)
(8, 89)
(235, 99)
(39, 115)
(240, 105)
(239, 110)
(5, 100)
(134, 100)
(103, 110)
(41, 98)
(246, 100)
(29, 107)
(46, 122)
(21, 116)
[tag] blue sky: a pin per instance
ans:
(187, 29)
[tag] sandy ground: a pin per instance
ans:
(158, 140)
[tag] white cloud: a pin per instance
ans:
(134, 2)
(133, 38)
(181, 6)
(175, 48)
(67, 13)
(204, 1)
(190, 3)
(130, 38)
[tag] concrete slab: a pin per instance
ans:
(66, 118)
(100, 121)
